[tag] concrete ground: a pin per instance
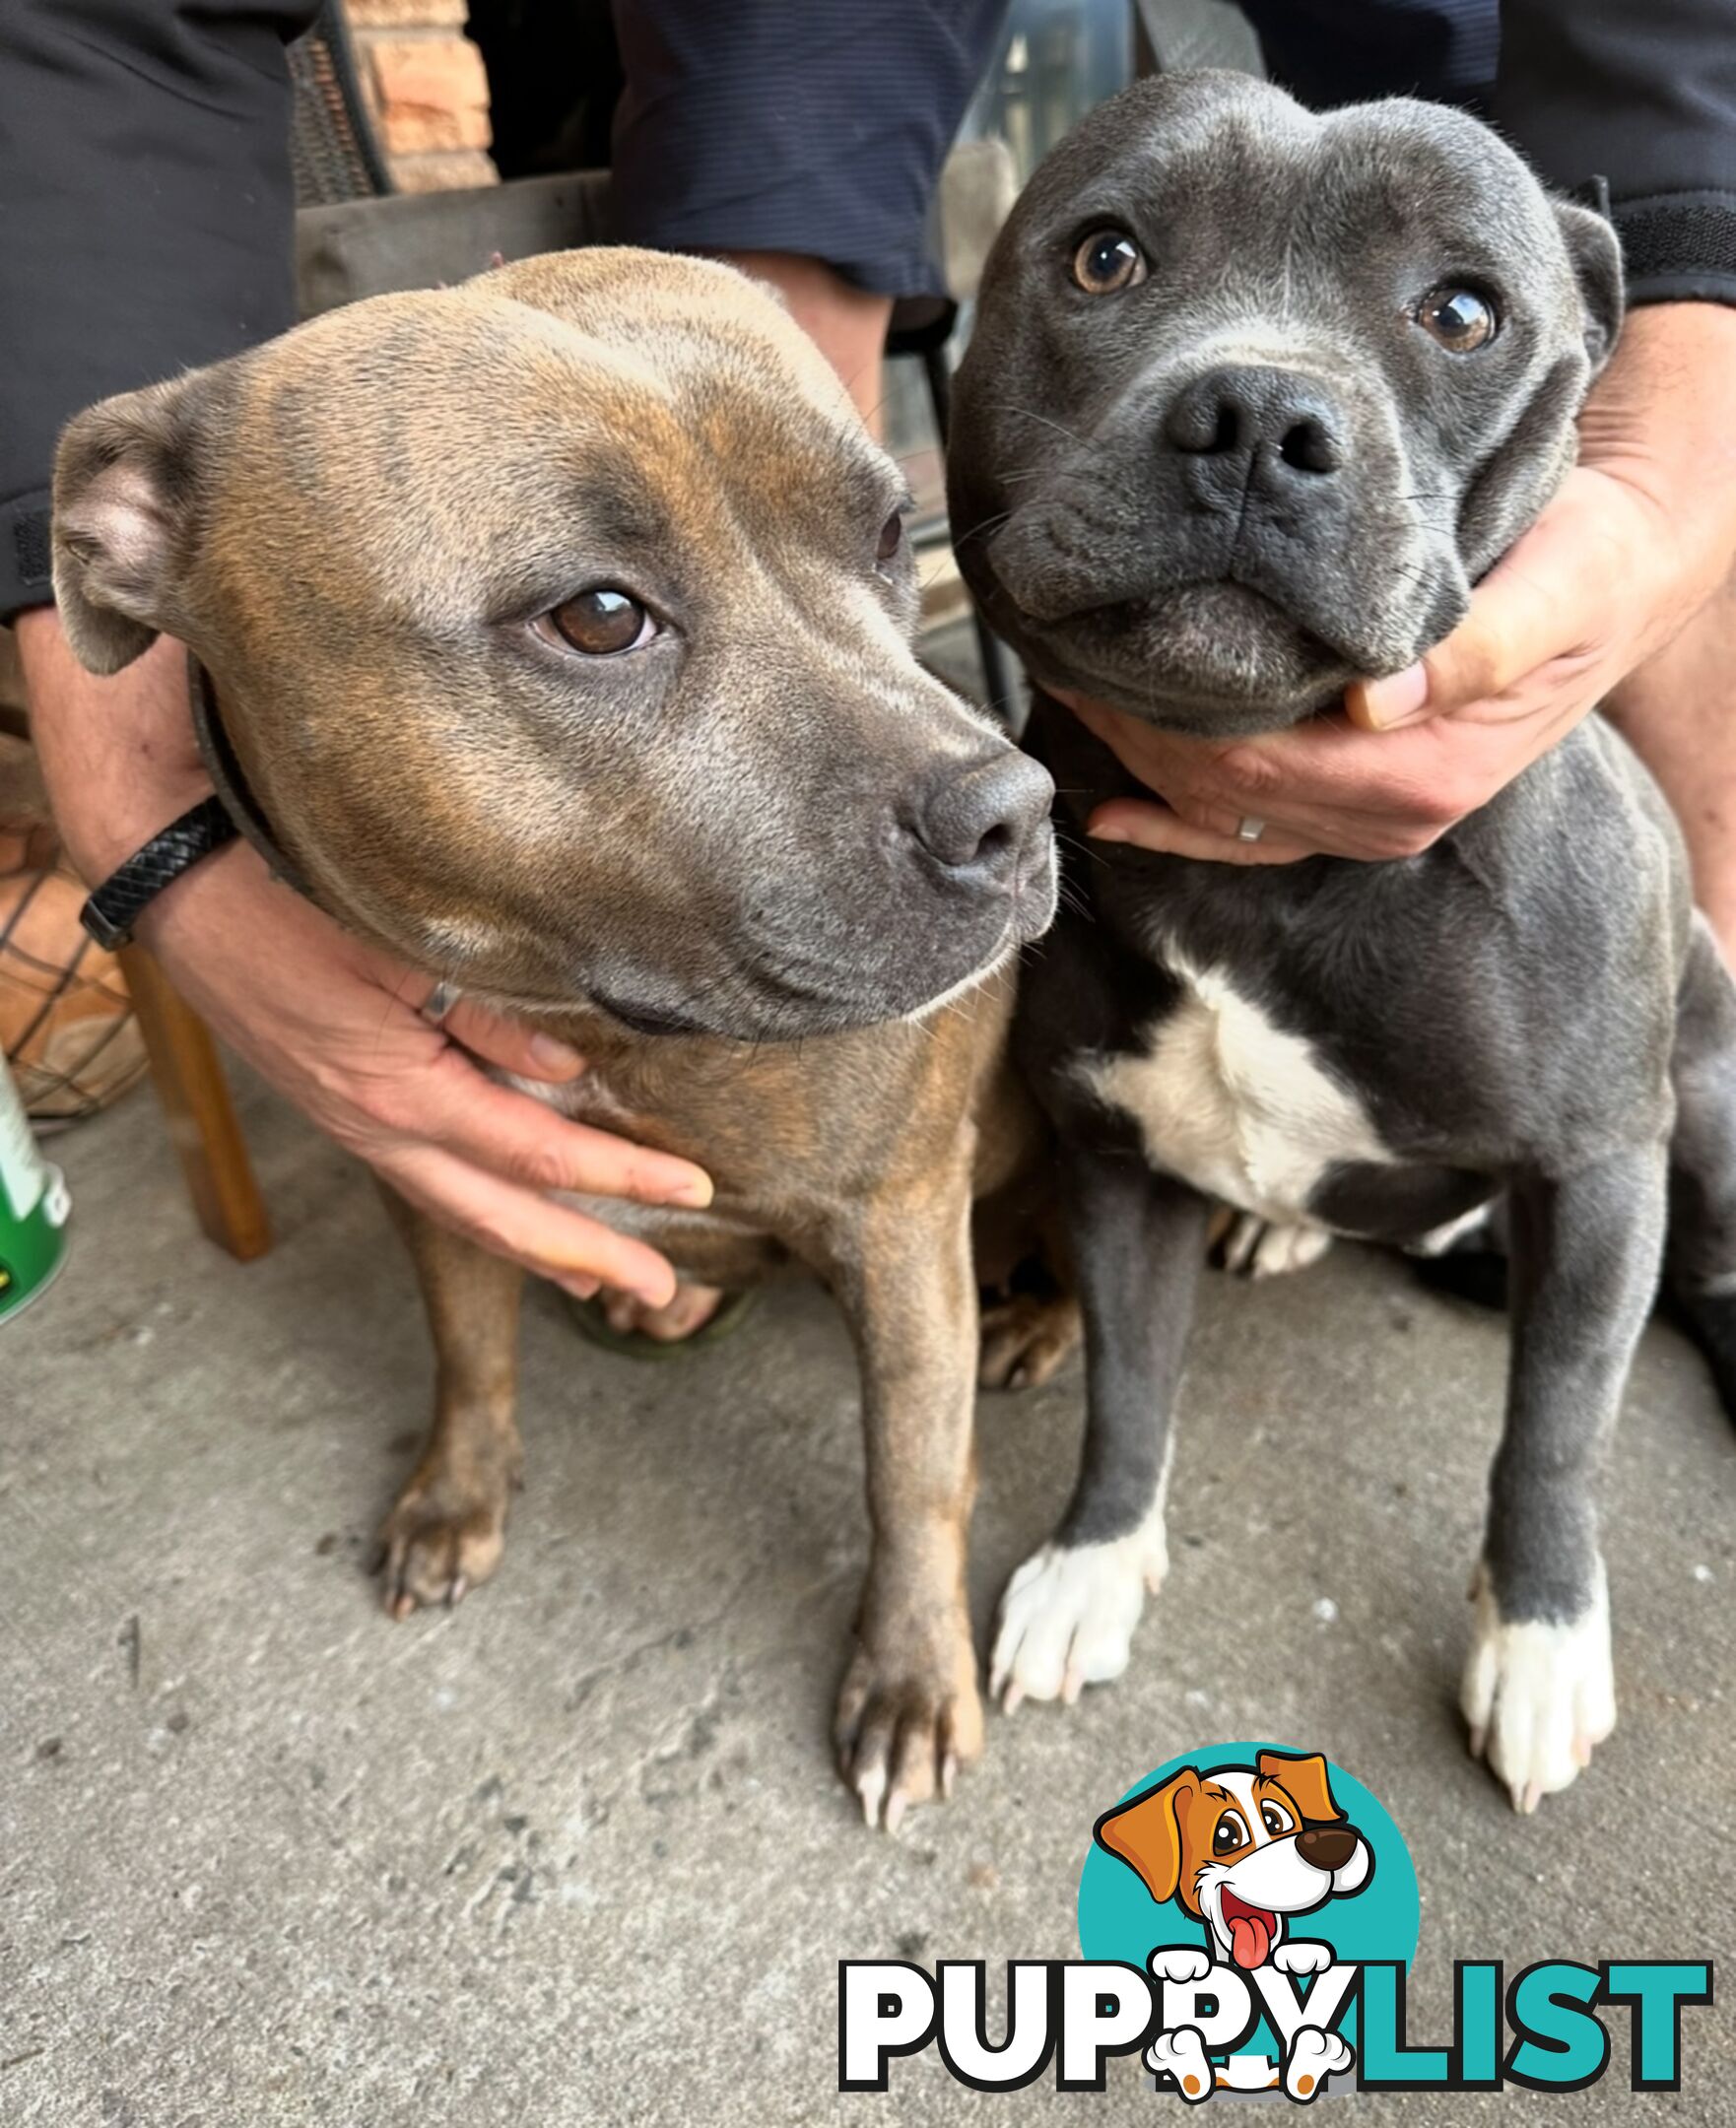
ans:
(574, 1852)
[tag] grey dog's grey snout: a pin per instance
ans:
(978, 823)
(1244, 426)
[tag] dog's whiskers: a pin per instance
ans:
(1060, 428)
(979, 531)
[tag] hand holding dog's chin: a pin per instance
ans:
(1641, 534)
(330, 1023)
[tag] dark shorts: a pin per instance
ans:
(814, 126)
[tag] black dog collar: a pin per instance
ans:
(224, 770)
(111, 914)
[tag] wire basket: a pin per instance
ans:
(66, 1022)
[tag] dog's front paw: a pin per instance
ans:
(445, 1535)
(1538, 1697)
(1313, 2056)
(1302, 1958)
(1026, 1340)
(1181, 2056)
(1181, 1962)
(1067, 1617)
(906, 1721)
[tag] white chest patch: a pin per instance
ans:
(1233, 1105)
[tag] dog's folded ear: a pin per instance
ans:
(1303, 1776)
(1145, 1834)
(126, 483)
(1596, 255)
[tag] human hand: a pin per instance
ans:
(1640, 535)
(332, 1024)
(330, 1021)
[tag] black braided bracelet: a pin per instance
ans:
(117, 904)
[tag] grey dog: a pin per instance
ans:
(1254, 398)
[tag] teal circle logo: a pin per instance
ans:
(1241, 1869)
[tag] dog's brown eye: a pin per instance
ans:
(1108, 261)
(1275, 1820)
(1231, 1831)
(1458, 318)
(892, 538)
(602, 622)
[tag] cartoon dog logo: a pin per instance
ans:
(1243, 1850)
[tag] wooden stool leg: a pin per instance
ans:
(195, 1098)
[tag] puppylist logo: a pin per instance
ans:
(1247, 1915)
(1245, 1853)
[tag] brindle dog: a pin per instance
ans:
(561, 626)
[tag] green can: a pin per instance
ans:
(33, 1208)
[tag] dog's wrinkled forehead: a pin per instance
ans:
(621, 408)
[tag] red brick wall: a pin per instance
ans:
(428, 91)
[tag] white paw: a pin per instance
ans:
(1181, 2054)
(1067, 1617)
(1313, 2056)
(1257, 1248)
(1302, 1958)
(1181, 1965)
(1538, 1698)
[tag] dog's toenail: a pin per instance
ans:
(871, 1786)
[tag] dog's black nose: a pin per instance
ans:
(1327, 1846)
(978, 822)
(1274, 421)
